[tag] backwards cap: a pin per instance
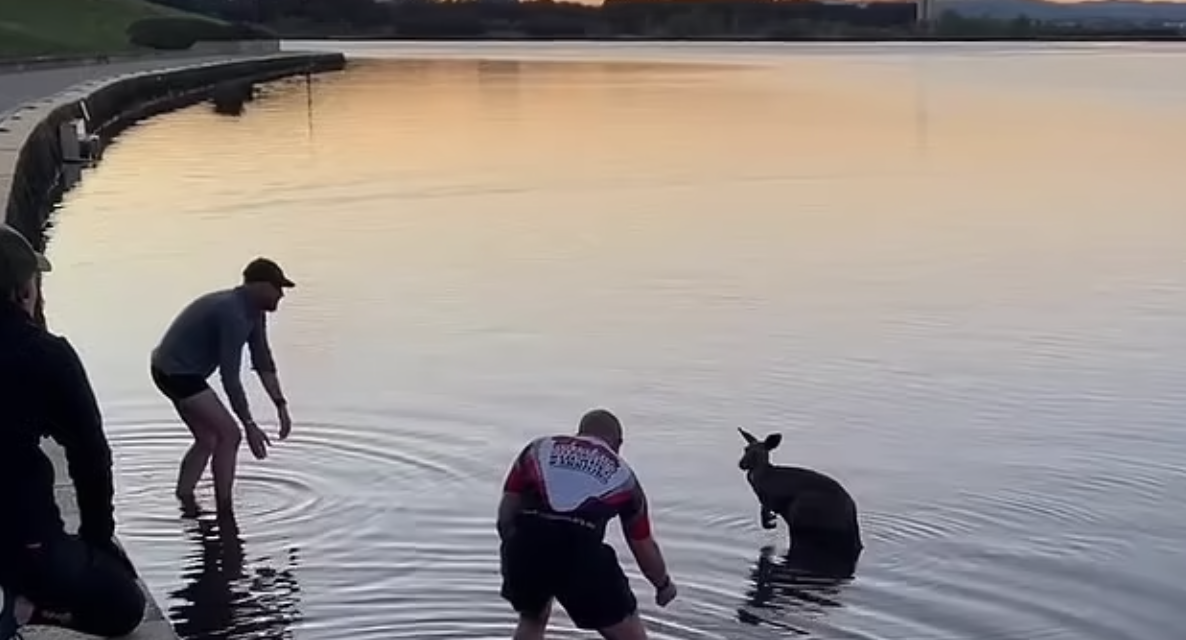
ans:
(18, 260)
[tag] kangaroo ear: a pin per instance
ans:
(772, 441)
(749, 437)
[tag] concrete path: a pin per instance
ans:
(22, 87)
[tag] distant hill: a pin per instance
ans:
(1127, 10)
(60, 27)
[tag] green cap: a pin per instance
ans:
(18, 260)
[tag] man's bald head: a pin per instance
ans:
(602, 424)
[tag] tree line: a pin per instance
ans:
(676, 19)
(550, 19)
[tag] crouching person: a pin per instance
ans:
(559, 496)
(81, 582)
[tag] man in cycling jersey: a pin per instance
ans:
(558, 497)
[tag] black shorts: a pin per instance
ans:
(178, 387)
(583, 576)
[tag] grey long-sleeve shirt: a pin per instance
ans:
(209, 334)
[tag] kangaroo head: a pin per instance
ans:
(757, 452)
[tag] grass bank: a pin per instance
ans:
(30, 28)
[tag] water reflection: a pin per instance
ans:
(222, 596)
(500, 83)
(799, 584)
(230, 98)
(502, 73)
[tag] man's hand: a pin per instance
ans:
(285, 420)
(257, 440)
(665, 593)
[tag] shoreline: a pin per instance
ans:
(35, 171)
(756, 39)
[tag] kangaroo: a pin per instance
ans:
(818, 511)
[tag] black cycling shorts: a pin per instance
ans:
(584, 577)
(178, 387)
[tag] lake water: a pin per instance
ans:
(950, 276)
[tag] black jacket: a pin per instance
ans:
(44, 391)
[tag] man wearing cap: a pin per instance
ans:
(209, 334)
(84, 581)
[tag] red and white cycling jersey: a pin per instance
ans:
(579, 479)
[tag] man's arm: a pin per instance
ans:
(508, 508)
(519, 479)
(636, 526)
(230, 361)
(264, 363)
(77, 425)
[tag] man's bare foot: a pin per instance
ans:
(227, 524)
(225, 509)
(189, 505)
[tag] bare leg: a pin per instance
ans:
(629, 629)
(533, 627)
(192, 466)
(225, 458)
(214, 429)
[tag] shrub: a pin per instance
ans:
(178, 34)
